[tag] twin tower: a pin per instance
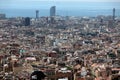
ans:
(52, 12)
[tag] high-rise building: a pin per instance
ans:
(53, 11)
(2, 16)
(27, 21)
(113, 14)
(37, 14)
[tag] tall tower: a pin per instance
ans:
(27, 21)
(53, 11)
(2, 16)
(37, 14)
(113, 14)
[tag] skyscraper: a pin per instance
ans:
(27, 21)
(37, 14)
(2, 16)
(113, 14)
(53, 11)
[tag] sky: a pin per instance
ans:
(45, 4)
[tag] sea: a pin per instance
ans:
(80, 12)
(62, 9)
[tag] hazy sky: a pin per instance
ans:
(64, 0)
(45, 4)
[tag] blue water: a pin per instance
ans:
(80, 12)
(63, 9)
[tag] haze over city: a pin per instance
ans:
(59, 39)
(63, 7)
